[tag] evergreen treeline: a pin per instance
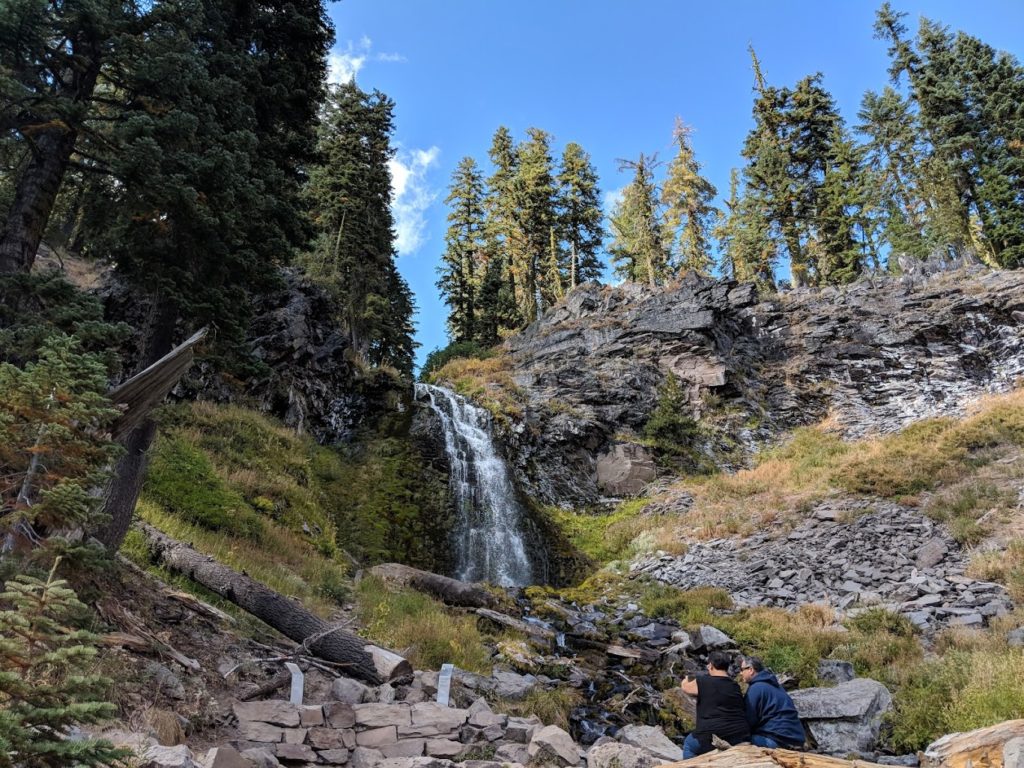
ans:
(935, 163)
(518, 239)
(195, 145)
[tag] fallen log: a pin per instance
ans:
(982, 747)
(646, 655)
(334, 644)
(450, 591)
(531, 630)
(747, 756)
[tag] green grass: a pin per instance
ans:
(620, 533)
(420, 628)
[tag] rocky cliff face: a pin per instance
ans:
(872, 356)
(308, 377)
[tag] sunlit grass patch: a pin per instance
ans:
(420, 628)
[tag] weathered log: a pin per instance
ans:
(532, 630)
(332, 644)
(982, 747)
(450, 591)
(646, 655)
(747, 756)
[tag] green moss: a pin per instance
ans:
(602, 537)
(182, 480)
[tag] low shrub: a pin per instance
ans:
(552, 705)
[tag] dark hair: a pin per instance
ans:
(754, 663)
(720, 660)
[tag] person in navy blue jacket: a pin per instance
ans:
(771, 713)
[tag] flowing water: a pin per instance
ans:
(489, 538)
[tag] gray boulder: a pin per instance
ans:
(846, 718)
(350, 691)
(650, 739)
(168, 757)
(553, 745)
(711, 639)
(615, 755)
(509, 685)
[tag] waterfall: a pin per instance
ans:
(488, 539)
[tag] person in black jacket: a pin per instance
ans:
(772, 717)
(720, 709)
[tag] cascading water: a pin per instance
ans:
(488, 539)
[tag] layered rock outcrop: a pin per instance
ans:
(875, 356)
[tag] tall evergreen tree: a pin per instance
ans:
(843, 241)
(534, 196)
(501, 226)
(350, 199)
(579, 215)
(463, 262)
(51, 59)
(196, 198)
(744, 239)
(770, 195)
(639, 251)
(893, 157)
(689, 214)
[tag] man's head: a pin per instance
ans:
(749, 667)
(719, 660)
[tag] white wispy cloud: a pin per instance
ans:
(343, 64)
(411, 195)
(612, 198)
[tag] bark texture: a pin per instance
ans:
(280, 612)
(450, 591)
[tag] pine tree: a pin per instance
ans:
(53, 450)
(771, 197)
(893, 157)
(51, 59)
(463, 264)
(748, 251)
(349, 193)
(46, 679)
(501, 287)
(844, 239)
(579, 215)
(639, 251)
(687, 198)
(534, 196)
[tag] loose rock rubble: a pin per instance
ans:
(848, 554)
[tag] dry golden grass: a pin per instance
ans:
(814, 463)
(487, 381)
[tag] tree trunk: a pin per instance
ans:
(450, 591)
(745, 756)
(52, 143)
(125, 485)
(34, 195)
(982, 747)
(359, 658)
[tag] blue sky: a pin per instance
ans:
(610, 75)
